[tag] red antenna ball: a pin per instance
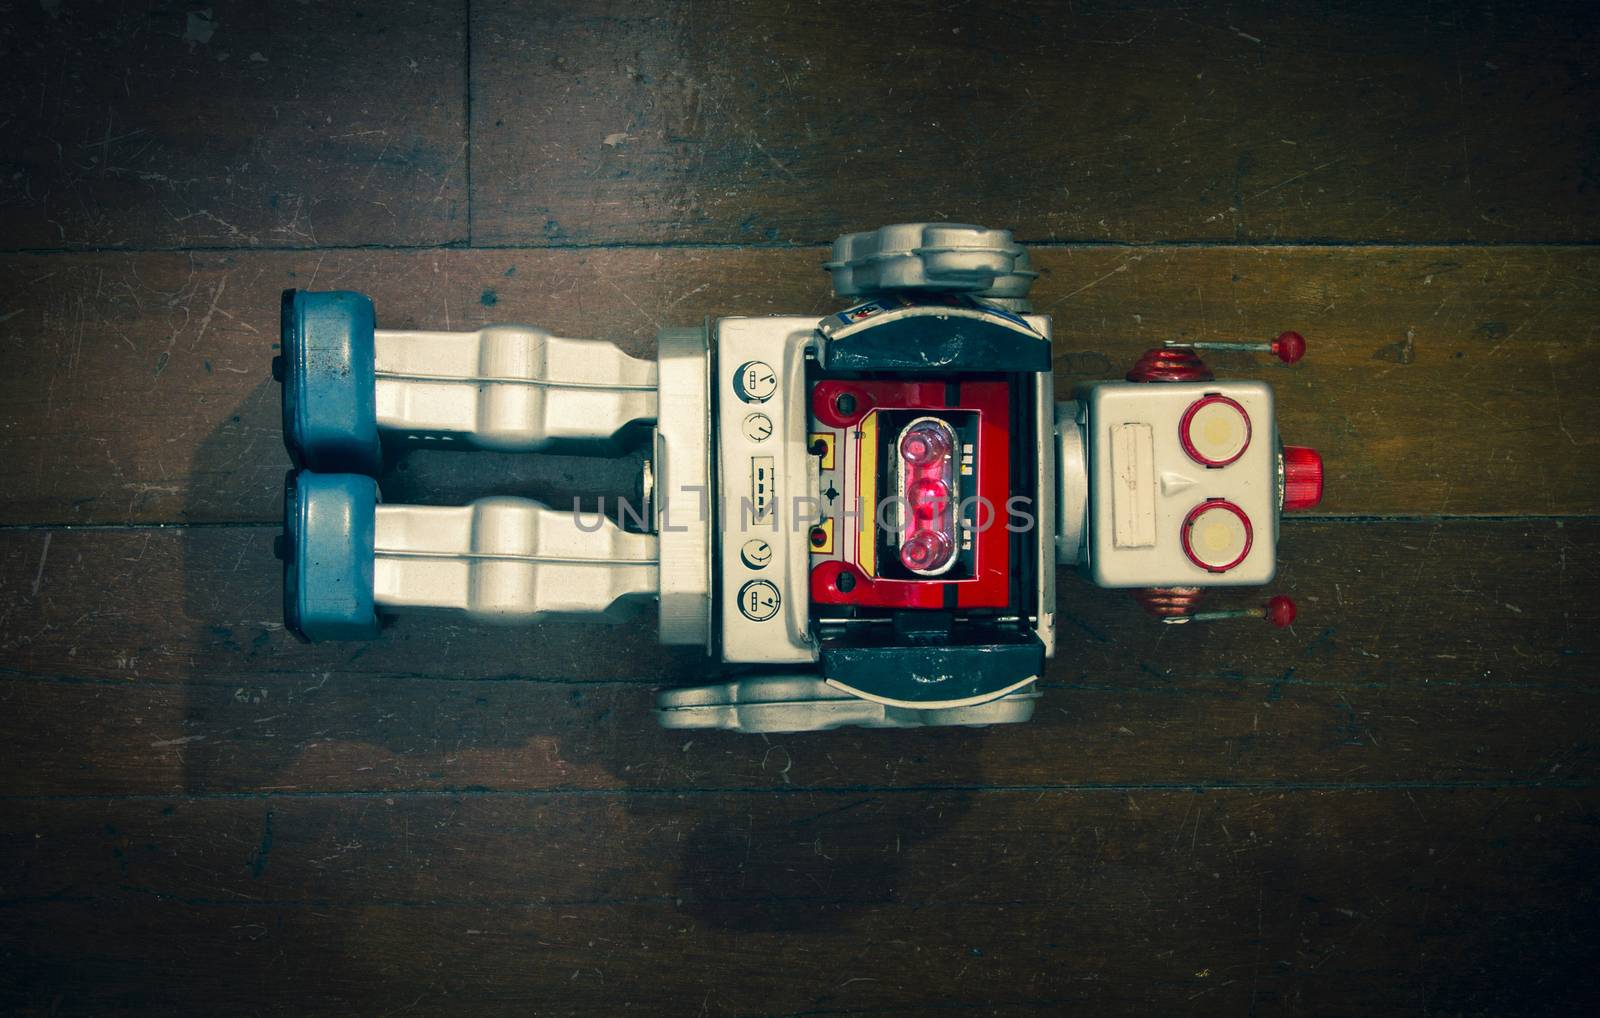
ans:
(1289, 346)
(1281, 612)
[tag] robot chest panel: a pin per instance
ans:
(914, 478)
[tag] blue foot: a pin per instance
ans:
(327, 556)
(330, 415)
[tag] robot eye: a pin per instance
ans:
(1217, 535)
(1215, 430)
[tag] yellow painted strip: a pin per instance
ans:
(867, 549)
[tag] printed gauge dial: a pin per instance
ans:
(759, 600)
(756, 553)
(757, 427)
(755, 381)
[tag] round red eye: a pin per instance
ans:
(1215, 431)
(1217, 535)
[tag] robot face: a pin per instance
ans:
(1183, 484)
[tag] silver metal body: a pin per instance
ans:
(766, 487)
(1047, 511)
(1072, 483)
(682, 484)
(805, 703)
(951, 257)
(509, 560)
(510, 387)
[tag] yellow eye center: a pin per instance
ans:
(1217, 432)
(1218, 537)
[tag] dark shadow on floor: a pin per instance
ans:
(573, 698)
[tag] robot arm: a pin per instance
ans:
(496, 560)
(349, 387)
(511, 388)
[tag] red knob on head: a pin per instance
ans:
(1289, 346)
(1170, 364)
(1302, 478)
(1168, 602)
(1280, 612)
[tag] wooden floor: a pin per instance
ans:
(1393, 808)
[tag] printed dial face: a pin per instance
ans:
(756, 553)
(759, 600)
(755, 381)
(758, 427)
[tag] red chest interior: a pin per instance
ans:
(853, 427)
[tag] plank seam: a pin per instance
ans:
(1064, 789)
(638, 245)
(1180, 685)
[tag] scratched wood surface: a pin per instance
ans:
(232, 124)
(1389, 809)
(1126, 901)
(191, 649)
(1256, 121)
(1440, 380)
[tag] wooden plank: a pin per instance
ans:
(1123, 902)
(603, 123)
(154, 662)
(1440, 380)
(362, 734)
(1377, 601)
(236, 124)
